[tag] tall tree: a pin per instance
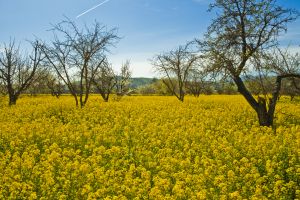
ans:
(242, 30)
(18, 71)
(77, 55)
(175, 67)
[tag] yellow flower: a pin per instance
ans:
(147, 148)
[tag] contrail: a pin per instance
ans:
(96, 6)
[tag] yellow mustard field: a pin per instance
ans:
(147, 148)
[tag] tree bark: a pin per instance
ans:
(244, 91)
(12, 99)
(181, 98)
(181, 95)
(105, 97)
(264, 112)
(264, 117)
(76, 99)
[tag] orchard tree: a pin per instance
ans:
(291, 87)
(242, 30)
(260, 84)
(77, 55)
(286, 66)
(19, 71)
(105, 80)
(55, 85)
(123, 79)
(38, 86)
(175, 67)
(197, 82)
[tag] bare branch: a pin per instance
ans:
(77, 54)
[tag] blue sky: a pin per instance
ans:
(147, 27)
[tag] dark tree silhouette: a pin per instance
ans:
(175, 67)
(78, 55)
(242, 30)
(17, 71)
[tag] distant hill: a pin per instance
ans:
(138, 82)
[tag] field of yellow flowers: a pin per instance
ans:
(147, 148)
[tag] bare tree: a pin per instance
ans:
(54, 84)
(39, 85)
(17, 71)
(175, 67)
(78, 54)
(291, 87)
(105, 80)
(243, 29)
(281, 64)
(197, 82)
(256, 85)
(123, 79)
(286, 66)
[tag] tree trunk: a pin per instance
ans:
(265, 118)
(265, 115)
(106, 98)
(245, 92)
(12, 99)
(181, 97)
(76, 99)
(81, 103)
(181, 93)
